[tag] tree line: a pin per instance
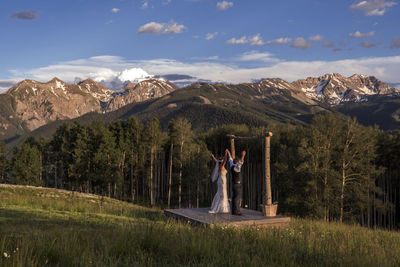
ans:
(335, 169)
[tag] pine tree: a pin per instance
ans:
(180, 134)
(82, 154)
(25, 165)
(106, 157)
(133, 133)
(153, 139)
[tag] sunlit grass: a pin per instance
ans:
(46, 226)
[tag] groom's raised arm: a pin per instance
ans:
(243, 155)
(230, 158)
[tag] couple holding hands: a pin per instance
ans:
(220, 202)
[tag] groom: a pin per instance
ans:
(235, 166)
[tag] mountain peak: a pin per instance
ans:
(55, 79)
(88, 80)
(142, 91)
(335, 88)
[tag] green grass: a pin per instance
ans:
(54, 227)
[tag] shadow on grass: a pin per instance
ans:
(20, 221)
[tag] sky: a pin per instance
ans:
(222, 41)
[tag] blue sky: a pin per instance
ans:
(232, 41)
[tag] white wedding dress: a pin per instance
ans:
(220, 202)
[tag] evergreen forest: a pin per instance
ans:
(334, 169)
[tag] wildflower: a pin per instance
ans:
(6, 255)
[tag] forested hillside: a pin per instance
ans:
(335, 169)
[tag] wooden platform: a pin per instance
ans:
(248, 218)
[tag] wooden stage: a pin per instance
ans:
(248, 218)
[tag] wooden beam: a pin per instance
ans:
(269, 134)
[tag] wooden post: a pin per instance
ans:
(233, 147)
(268, 199)
(267, 208)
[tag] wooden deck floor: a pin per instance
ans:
(249, 218)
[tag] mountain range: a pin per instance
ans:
(30, 105)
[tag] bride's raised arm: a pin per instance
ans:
(213, 157)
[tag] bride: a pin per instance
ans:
(220, 202)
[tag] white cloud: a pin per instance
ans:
(358, 34)
(131, 75)
(256, 40)
(224, 5)
(109, 67)
(210, 36)
(316, 38)
(280, 41)
(242, 40)
(151, 28)
(161, 28)
(145, 5)
(115, 10)
(373, 7)
(173, 28)
(258, 56)
(300, 43)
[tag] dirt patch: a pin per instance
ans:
(172, 105)
(205, 100)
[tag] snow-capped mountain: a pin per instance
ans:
(277, 86)
(335, 88)
(138, 92)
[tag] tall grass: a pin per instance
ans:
(38, 228)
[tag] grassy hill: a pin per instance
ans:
(41, 226)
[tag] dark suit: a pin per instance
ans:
(237, 189)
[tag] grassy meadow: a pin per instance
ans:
(41, 226)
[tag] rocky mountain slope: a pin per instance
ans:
(31, 104)
(335, 88)
(139, 92)
(39, 103)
